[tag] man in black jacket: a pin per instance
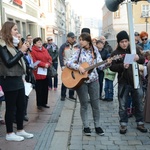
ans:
(126, 84)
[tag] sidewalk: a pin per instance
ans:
(60, 128)
(112, 140)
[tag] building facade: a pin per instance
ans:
(40, 18)
(113, 22)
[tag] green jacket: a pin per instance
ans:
(108, 74)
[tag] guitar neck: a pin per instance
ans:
(96, 65)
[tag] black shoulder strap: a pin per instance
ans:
(79, 55)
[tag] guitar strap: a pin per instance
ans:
(79, 55)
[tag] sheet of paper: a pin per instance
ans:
(28, 88)
(129, 58)
(36, 63)
(42, 71)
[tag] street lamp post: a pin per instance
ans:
(1, 12)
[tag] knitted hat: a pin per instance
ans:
(87, 30)
(122, 35)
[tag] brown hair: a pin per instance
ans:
(143, 33)
(6, 32)
(87, 37)
(36, 40)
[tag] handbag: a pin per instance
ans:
(51, 71)
(2, 98)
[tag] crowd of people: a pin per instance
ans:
(28, 60)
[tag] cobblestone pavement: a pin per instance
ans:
(60, 128)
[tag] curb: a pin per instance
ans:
(63, 128)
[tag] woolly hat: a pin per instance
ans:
(122, 35)
(87, 30)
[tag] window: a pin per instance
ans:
(18, 25)
(10, 19)
(117, 14)
(23, 29)
(145, 10)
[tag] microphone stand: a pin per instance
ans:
(132, 45)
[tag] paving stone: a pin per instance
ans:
(60, 141)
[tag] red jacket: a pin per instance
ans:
(43, 56)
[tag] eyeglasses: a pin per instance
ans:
(50, 40)
(144, 39)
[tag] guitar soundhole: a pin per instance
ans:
(72, 75)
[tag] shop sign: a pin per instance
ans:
(18, 3)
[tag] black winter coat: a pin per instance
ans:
(125, 76)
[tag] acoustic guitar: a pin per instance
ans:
(72, 79)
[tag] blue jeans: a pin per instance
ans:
(109, 90)
(55, 78)
(123, 97)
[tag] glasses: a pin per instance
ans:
(50, 40)
(144, 39)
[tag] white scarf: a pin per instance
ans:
(15, 41)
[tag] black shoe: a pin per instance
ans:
(99, 131)
(45, 106)
(26, 118)
(123, 129)
(87, 131)
(101, 98)
(104, 99)
(110, 99)
(71, 97)
(39, 108)
(62, 98)
(142, 128)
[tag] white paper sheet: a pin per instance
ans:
(36, 63)
(28, 88)
(42, 71)
(129, 58)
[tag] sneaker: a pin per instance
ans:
(99, 131)
(142, 128)
(87, 131)
(123, 129)
(25, 134)
(14, 137)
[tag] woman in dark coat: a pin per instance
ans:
(12, 68)
(147, 98)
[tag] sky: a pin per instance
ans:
(90, 8)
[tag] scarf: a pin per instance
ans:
(15, 41)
